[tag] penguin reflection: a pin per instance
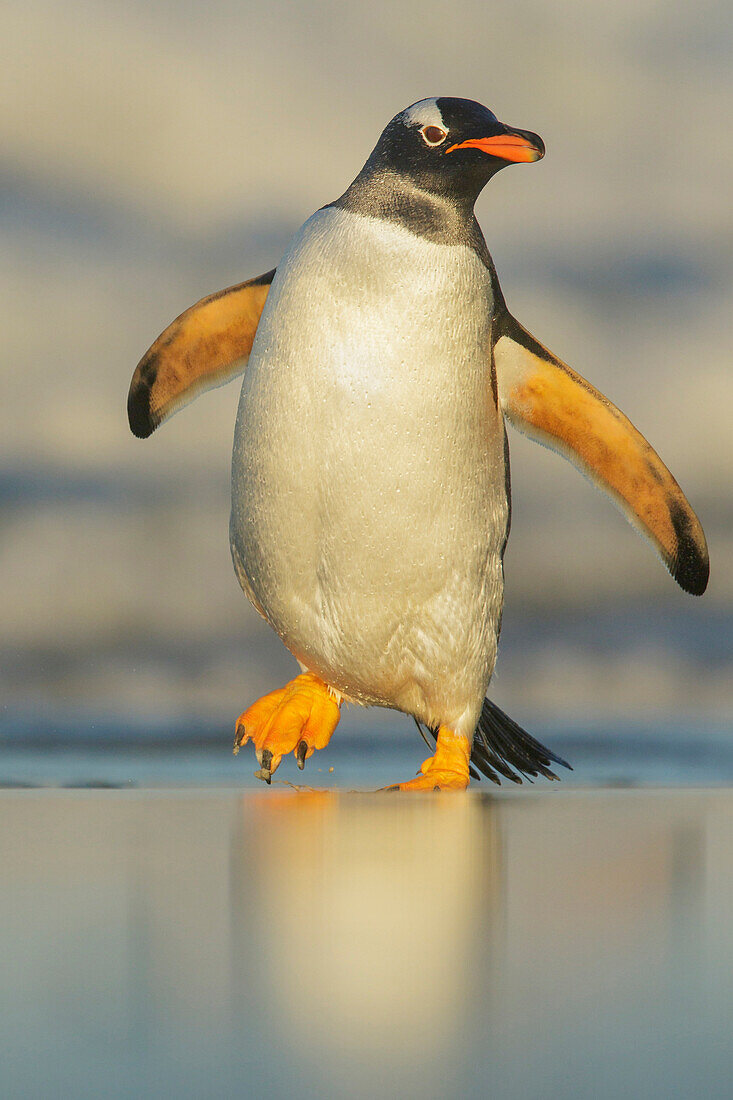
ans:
(372, 911)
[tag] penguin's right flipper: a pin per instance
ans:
(546, 400)
(206, 346)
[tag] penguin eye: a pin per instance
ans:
(433, 135)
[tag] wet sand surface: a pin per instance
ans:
(213, 942)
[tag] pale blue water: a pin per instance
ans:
(109, 752)
(192, 933)
(214, 944)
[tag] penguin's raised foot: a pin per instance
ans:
(447, 770)
(297, 718)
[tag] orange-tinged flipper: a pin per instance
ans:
(206, 346)
(546, 400)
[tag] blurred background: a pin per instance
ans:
(155, 152)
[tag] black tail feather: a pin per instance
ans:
(500, 741)
(501, 746)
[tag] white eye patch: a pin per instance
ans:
(425, 113)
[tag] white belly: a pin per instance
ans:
(368, 485)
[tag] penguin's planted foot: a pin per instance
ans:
(447, 770)
(298, 718)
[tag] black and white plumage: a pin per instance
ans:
(370, 487)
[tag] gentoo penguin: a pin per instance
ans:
(370, 473)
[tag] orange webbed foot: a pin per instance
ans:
(447, 770)
(298, 718)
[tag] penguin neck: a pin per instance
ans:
(388, 194)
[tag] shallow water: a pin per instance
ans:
(363, 758)
(546, 943)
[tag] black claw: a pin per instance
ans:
(300, 752)
(265, 771)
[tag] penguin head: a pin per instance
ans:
(451, 147)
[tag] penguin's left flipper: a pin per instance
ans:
(206, 346)
(546, 400)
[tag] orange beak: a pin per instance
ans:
(513, 147)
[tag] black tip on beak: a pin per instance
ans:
(512, 146)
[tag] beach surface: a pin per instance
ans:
(215, 941)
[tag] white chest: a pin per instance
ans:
(368, 492)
